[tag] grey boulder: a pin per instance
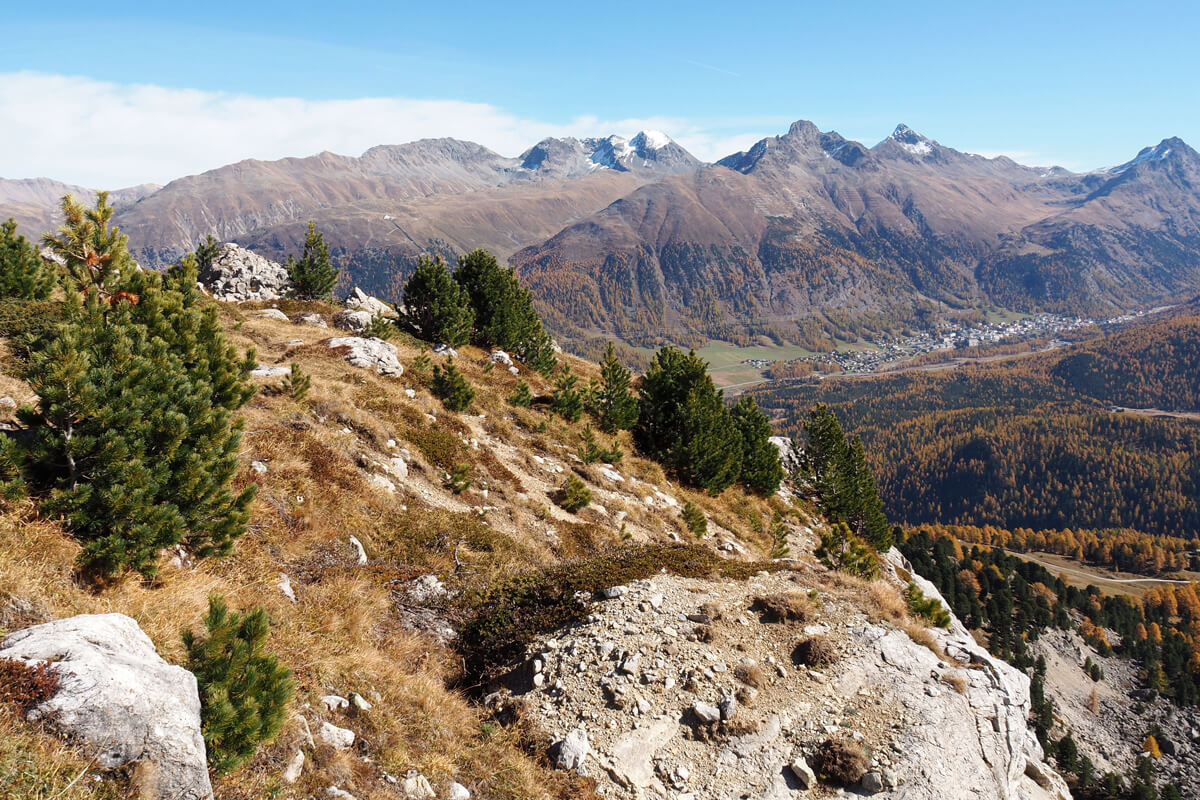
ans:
(371, 353)
(116, 694)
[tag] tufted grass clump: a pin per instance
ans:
(840, 762)
(814, 651)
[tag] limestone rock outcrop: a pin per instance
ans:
(679, 686)
(371, 353)
(375, 307)
(237, 275)
(117, 695)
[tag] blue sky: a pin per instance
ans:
(149, 91)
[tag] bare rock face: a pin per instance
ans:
(361, 301)
(372, 353)
(726, 708)
(355, 321)
(118, 695)
(238, 275)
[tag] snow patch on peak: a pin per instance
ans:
(651, 140)
(1146, 155)
(917, 148)
(911, 141)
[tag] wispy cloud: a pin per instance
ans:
(106, 135)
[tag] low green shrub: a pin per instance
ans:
(244, 690)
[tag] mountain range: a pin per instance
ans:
(803, 236)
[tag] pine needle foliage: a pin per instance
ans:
(297, 383)
(778, 532)
(610, 399)
(436, 305)
(684, 425)
(244, 690)
(95, 253)
(313, 276)
(380, 327)
(206, 253)
(843, 480)
(762, 471)
(504, 313)
(574, 495)
(929, 609)
(840, 549)
(521, 397)
(451, 387)
(458, 479)
(133, 441)
(694, 519)
(24, 275)
(567, 401)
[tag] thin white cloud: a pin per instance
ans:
(108, 135)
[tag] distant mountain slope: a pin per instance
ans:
(401, 199)
(34, 202)
(809, 224)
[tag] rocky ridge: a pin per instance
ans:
(682, 688)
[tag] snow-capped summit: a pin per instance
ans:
(649, 152)
(650, 140)
(1147, 155)
(912, 142)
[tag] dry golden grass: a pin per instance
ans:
(955, 681)
(792, 606)
(36, 765)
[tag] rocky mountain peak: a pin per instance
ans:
(911, 142)
(1169, 149)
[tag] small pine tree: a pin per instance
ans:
(1066, 754)
(610, 399)
(23, 273)
(458, 479)
(589, 448)
(451, 387)
(420, 364)
(694, 519)
(762, 471)
(206, 253)
(567, 401)
(297, 383)
(133, 441)
(841, 550)
(313, 276)
(574, 495)
(436, 305)
(244, 690)
(504, 313)
(522, 397)
(779, 537)
(929, 609)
